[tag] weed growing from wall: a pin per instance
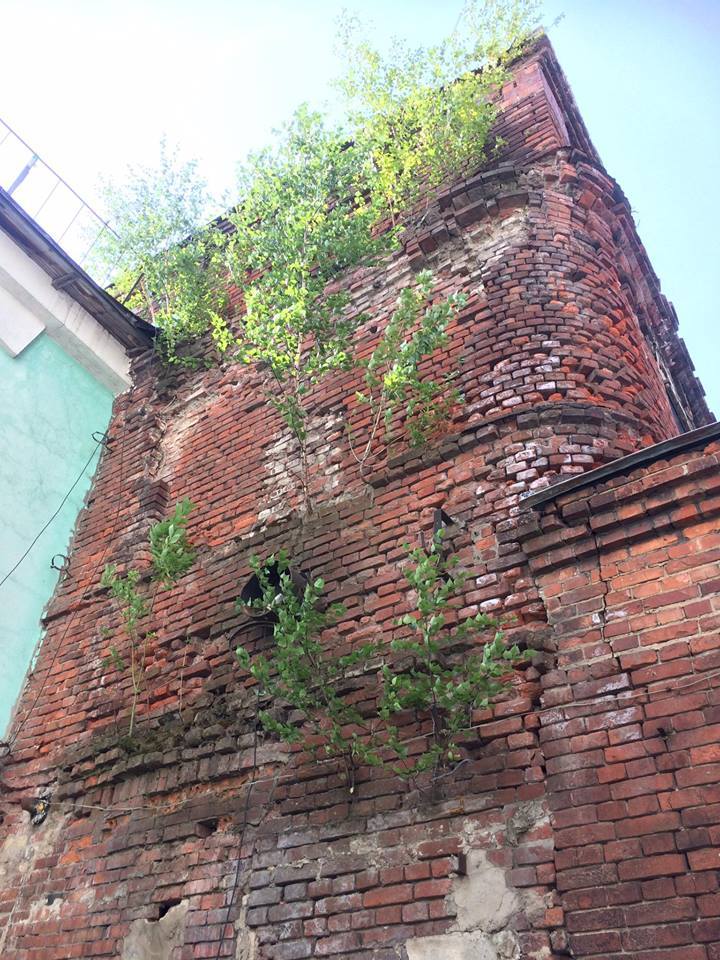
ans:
(393, 381)
(164, 257)
(172, 557)
(438, 669)
(302, 674)
(172, 554)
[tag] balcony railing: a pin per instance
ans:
(51, 201)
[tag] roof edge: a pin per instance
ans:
(65, 274)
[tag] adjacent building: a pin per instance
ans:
(64, 356)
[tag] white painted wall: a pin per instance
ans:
(29, 305)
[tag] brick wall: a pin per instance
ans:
(628, 572)
(202, 839)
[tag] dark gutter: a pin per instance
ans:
(641, 458)
(130, 330)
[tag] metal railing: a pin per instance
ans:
(51, 202)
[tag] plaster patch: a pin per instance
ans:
(246, 941)
(156, 940)
(452, 946)
(18, 855)
(486, 905)
(483, 898)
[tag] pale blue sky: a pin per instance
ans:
(93, 84)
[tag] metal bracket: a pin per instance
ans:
(442, 520)
(63, 566)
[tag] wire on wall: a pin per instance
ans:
(103, 441)
(98, 443)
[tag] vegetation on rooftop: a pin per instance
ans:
(323, 199)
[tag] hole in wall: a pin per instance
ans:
(252, 591)
(167, 905)
(37, 807)
(51, 898)
(207, 827)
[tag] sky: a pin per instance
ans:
(93, 85)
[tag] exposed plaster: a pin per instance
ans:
(486, 904)
(156, 939)
(19, 853)
(246, 939)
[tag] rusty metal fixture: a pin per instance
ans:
(62, 566)
(37, 807)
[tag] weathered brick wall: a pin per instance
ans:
(628, 572)
(203, 840)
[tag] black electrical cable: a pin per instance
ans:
(64, 500)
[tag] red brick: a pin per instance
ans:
(401, 893)
(665, 865)
(704, 859)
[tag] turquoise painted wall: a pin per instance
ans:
(49, 407)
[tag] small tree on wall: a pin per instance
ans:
(435, 669)
(301, 223)
(164, 261)
(172, 556)
(303, 674)
(438, 669)
(416, 329)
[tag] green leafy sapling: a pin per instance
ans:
(124, 589)
(393, 381)
(172, 557)
(133, 607)
(303, 220)
(165, 259)
(302, 673)
(422, 115)
(114, 659)
(437, 672)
